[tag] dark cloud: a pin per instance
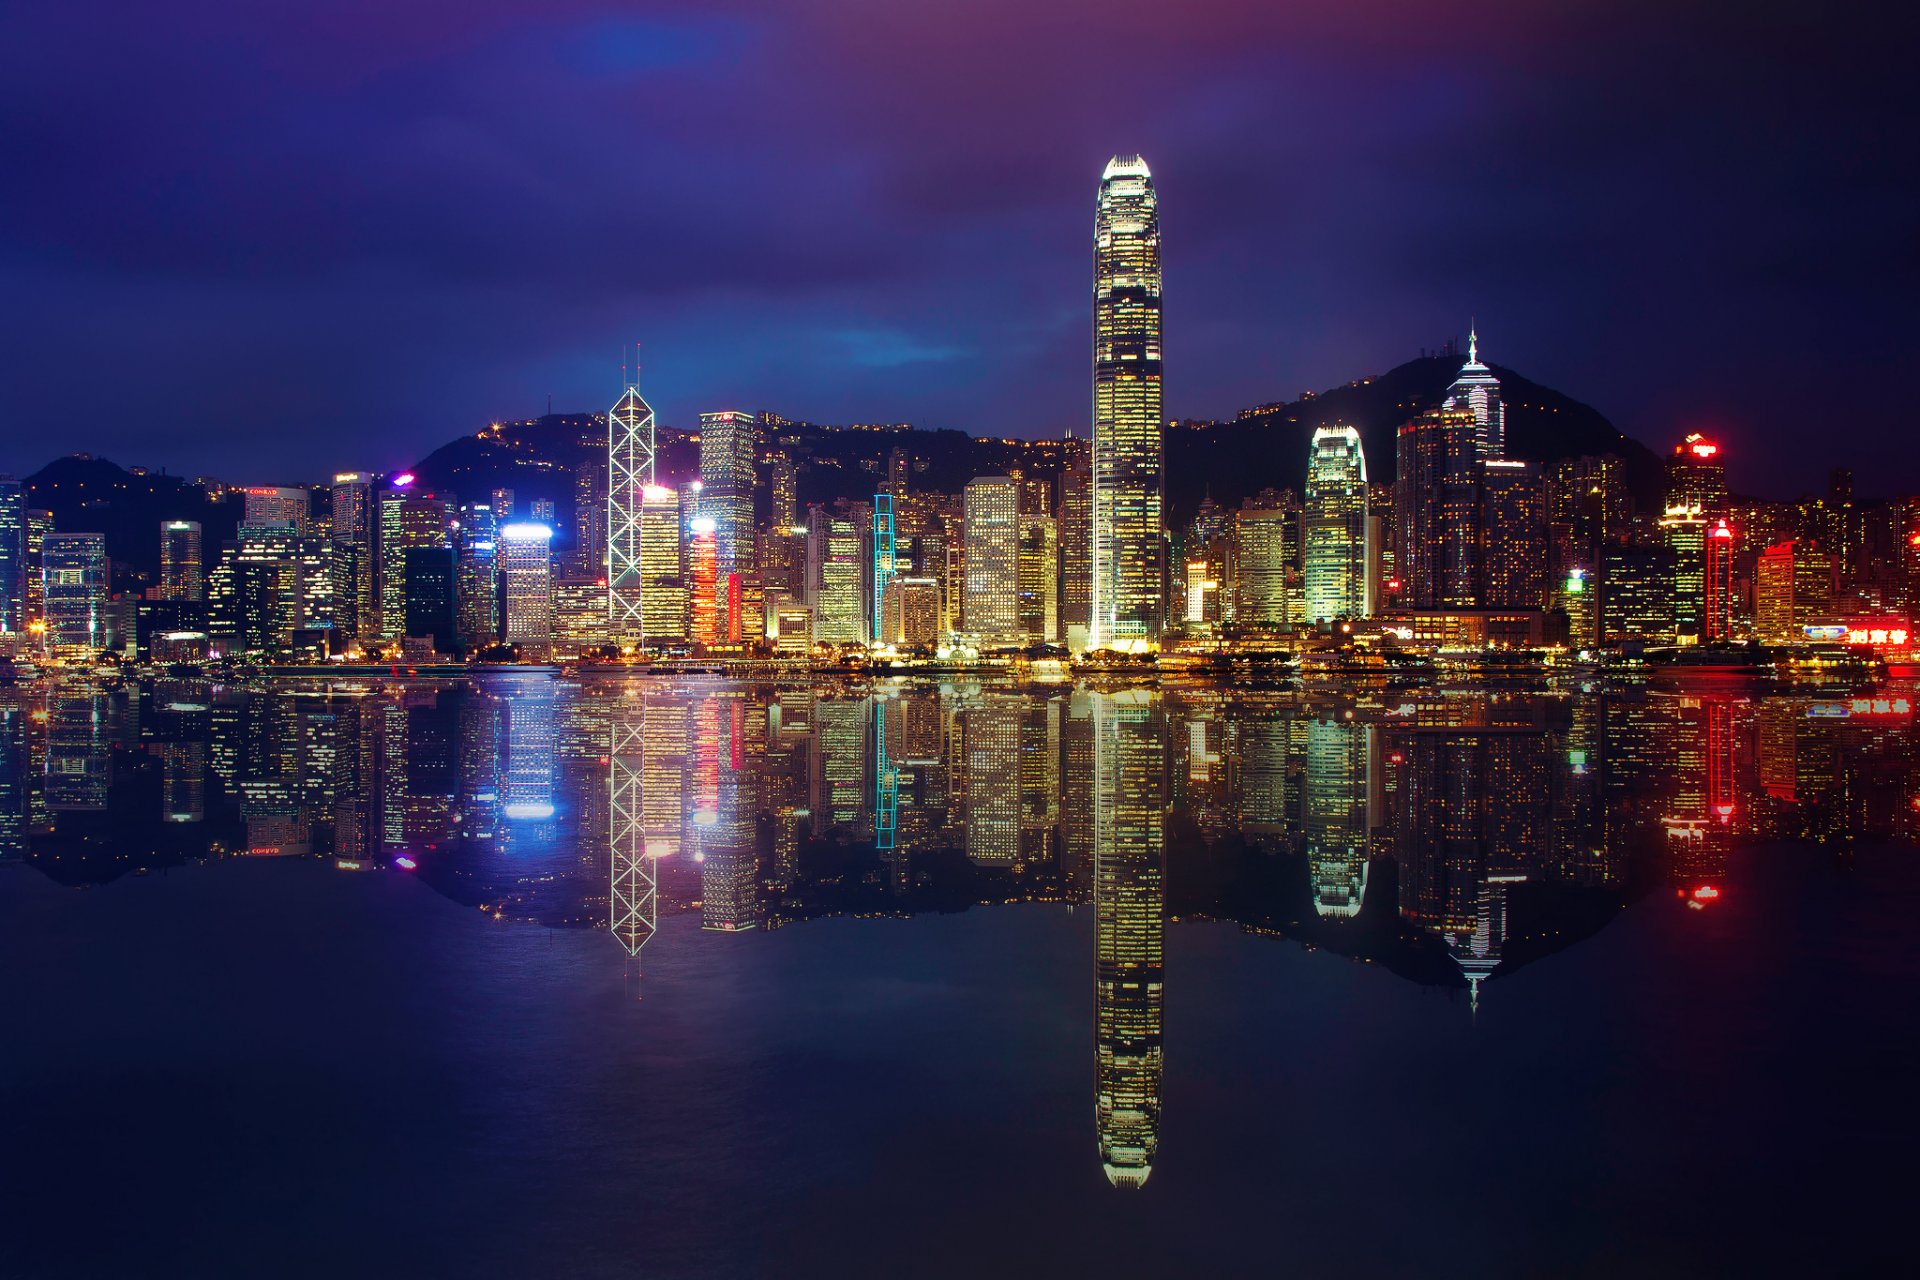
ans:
(301, 236)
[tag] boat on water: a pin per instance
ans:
(1712, 664)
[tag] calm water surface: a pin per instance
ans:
(527, 977)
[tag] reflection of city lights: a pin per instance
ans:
(405, 863)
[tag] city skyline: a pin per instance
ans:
(1311, 255)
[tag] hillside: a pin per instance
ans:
(1236, 459)
(92, 495)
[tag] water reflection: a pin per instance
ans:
(1450, 836)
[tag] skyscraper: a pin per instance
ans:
(726, 496)
(659, 591)
(1435, 496)
(885, 562)
(1512, 554)
(13, 556)
(1338, 549)
(277, 504)
(1477, 391)
(1697, 476)
(1075, 520)
(630, 475)
(1126, 544)
(993, 560)
(181, 567)
(74, 571)
(524, 556)
(408, 518)
(1264, 541)
(1719, 582)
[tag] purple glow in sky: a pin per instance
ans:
(276, 240)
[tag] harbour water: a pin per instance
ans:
(625, 977)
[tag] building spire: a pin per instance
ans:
(1473, 344)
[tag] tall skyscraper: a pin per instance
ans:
(409, 517)
(13, 556)
(1697, 476)
(660, 589)
(1435, 500)
(1265, 537)
(73, 568)
(182, 573)
(993, 560)
(1126, 603)
(355, 599)
(1129, 900)
(630, 475)
(1719, 584)
(523, 553)
(883, 534)
(1338, 548)
(1793, 588)
(1512, 554)
(1683, 529)
(727, 449)
(1075, 519)
(1477, 391)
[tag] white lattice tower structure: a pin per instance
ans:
(634, 906)
(629, 473)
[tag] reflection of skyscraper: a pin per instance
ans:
(1129, 905)
(633, 911)
(1335, 819)
(1338, 549)
(992, 735)
(1126, 409)
(530, 752)
(723, 818)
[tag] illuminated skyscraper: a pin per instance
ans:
(885, 562)
(1264, 540)
(1337, 546)
(993, 560)
(524, 558)
(1127, 483)
(633, 908)
(1477, 391)
(727, 446)
(1793, 588)
(1039, 579)
(1435, 509)
(1129, 897)
(1075, 518)
(1512, 530)
(630, 475)
(408, 518)
(13, 556)
(351, 555)
(661, 589)
(1339, 754)
(181, 568)
(73, 567)
(1684, 531)
(1719, 582)
(274, 504)
(991, 731)
(702, 570)
(834, 575)
(1697, 476)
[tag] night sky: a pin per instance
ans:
(268, 240)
